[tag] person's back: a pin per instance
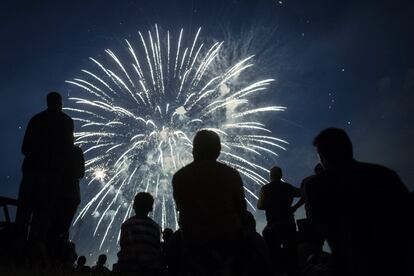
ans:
(279, 197)
(360, 207)
(140, 240)
(140, 243)
(209, 197)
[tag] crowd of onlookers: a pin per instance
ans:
(362, 211)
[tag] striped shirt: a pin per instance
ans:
(140, 244)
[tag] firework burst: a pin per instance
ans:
(138, 119)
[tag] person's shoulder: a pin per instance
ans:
(78, 150)
(66, 116)
(39, 116)
(226, 167)
(371, 167)
(186, 168)
(139, 220)
(313, 181)
(128, 221)
(266, 187)
(291, 187)
(374, 170)
(183, 171)
(153, 223)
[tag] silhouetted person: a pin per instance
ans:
(100, 268)
(317, 169)
(257, 257)
(276, 199)
(140, 240)
(313, 238)
(46, 144)
(359, 208)
(81, 267)
(209, 196)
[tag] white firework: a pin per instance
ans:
(138, 119)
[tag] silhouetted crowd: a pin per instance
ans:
(362, 211)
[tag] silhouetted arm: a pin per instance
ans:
(241, 201)
(123, 238)
(81, 164)
(261, 203)
(176, 193)
(29, 138)
(297, 193)
(298, 204)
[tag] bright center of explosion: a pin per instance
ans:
(99, 174)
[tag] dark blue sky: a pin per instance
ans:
(347, 64)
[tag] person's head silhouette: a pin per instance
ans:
(54, 101)
(166, 234)
(143, 203)
(81, 261)
(206, 145)
(276, 174)
(334, 147)
(101, 260)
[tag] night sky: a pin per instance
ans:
(347, 64)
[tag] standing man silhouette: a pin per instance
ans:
(47, 142)
(276, 199)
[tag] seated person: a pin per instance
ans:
(100, 268)
(140, 240)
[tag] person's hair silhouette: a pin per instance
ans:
(81, 261)
(276, 173)
(334, 147)
(143, 203)
(102, 259)
(166, 234)
(54, 101)
(206, 145)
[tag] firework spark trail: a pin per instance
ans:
(138, 119)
